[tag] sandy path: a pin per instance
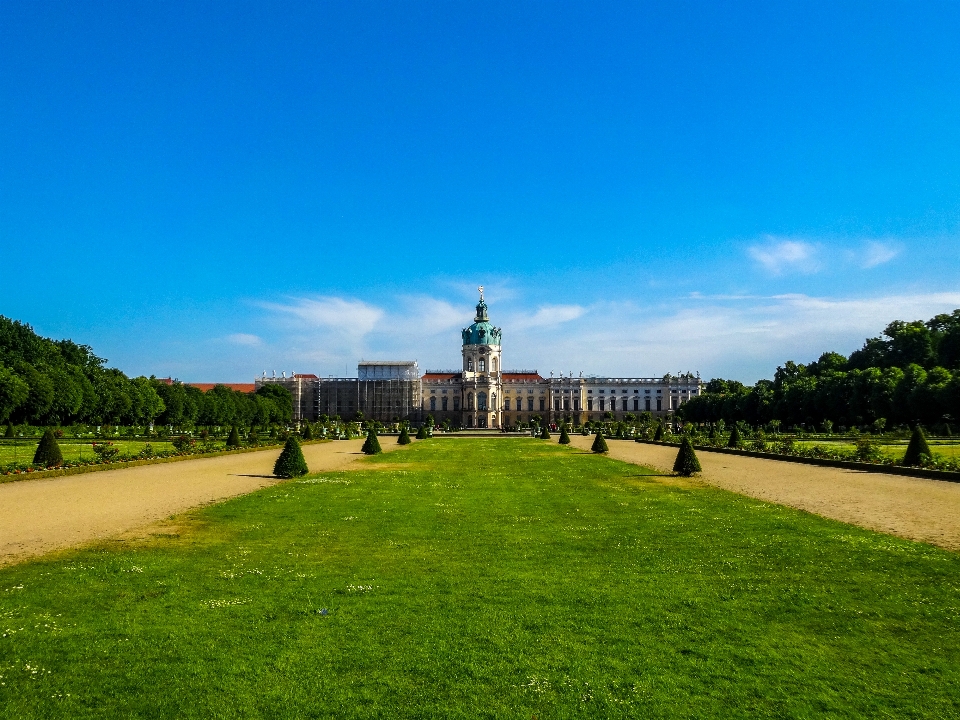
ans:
(38, 516)
(915, 508)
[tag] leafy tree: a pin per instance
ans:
(422, 433)
(371, 446)
(564, 437)
(917, 449)
(291, 462)
(233, 441)
(404, 438)
(686, 463)
(10, 432)
(307, 432)
(14, 392)
(544, 432)
(599, 444)
(658, 435)
(48, 451)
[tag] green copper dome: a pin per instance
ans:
(481, 332)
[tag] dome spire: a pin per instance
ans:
(481, 308)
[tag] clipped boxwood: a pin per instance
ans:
(291, 462)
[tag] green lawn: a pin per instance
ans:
(895, 450)
(487, 578)
(23, 450)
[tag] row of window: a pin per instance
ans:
(482, 365)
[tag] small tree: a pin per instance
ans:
(404, 438)
(658, 435)
(347, 432)
(917, 447)
(585, 431)
(735, 440)
(234, 440)
(48, 452)
(599, 444)
(291, 463)
(307, 432)
(422, 433)
(686, 463)
(544, 432)
(564, 437)
(11, 434)
(371, 446)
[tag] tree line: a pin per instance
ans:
(909, 375)
(58, 382)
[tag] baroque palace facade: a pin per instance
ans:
(481, 394)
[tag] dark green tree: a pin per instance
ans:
(917, 447)
(599, 444)
(233, 441)
(544, 432)
(564, 437)
(422, 433)
(735, 440)
(10, 433)
(686, 463)
(404, 438)
(371, 446)
(291, 462)
(347, 432)
(658, 435)
(307, 432)
(48, 451)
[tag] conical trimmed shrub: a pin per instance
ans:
(713, 432)
(544, 432)
(735, 440)
(422, 433)
(917, 447)
(307, 432)
(347, 432)
(686, 463)
(291, 463)
(619, 435)
(371, 446)
(585, 431)
(564, 437)
(658, 435)
(404, 438)
(599, 444)
(233, 441)
(48, 451)
(11, 434)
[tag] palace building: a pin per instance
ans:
(481, 394)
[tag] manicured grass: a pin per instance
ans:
(487, 578)
(895, 450)
(23, 450)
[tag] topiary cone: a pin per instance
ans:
(371, 446)
(564, 438)
(307, 432)
(544, 432)
(291, 463)
(10, 432)
(658, 435)
(686, 463)
(734, 441)
(917, 447)
(404, 438)
(422, 433)
(233, 441)
(48, 451)
(599, 444)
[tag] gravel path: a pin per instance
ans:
(39, 516)
(914, 508)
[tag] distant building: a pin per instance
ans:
(481, 394)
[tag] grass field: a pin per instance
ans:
(23, 450)
(947, 450)
(487, 578)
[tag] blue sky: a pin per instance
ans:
(208, 190)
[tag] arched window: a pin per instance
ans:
(470, 364)
(469, 401)
(433, 404)
(481, 401)
(482, 365)
(494, 364)
(444, 403)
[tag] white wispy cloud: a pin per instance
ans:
(876, 252)
(780, 255)
(352, 317)
(548, 316)
(245, 339)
